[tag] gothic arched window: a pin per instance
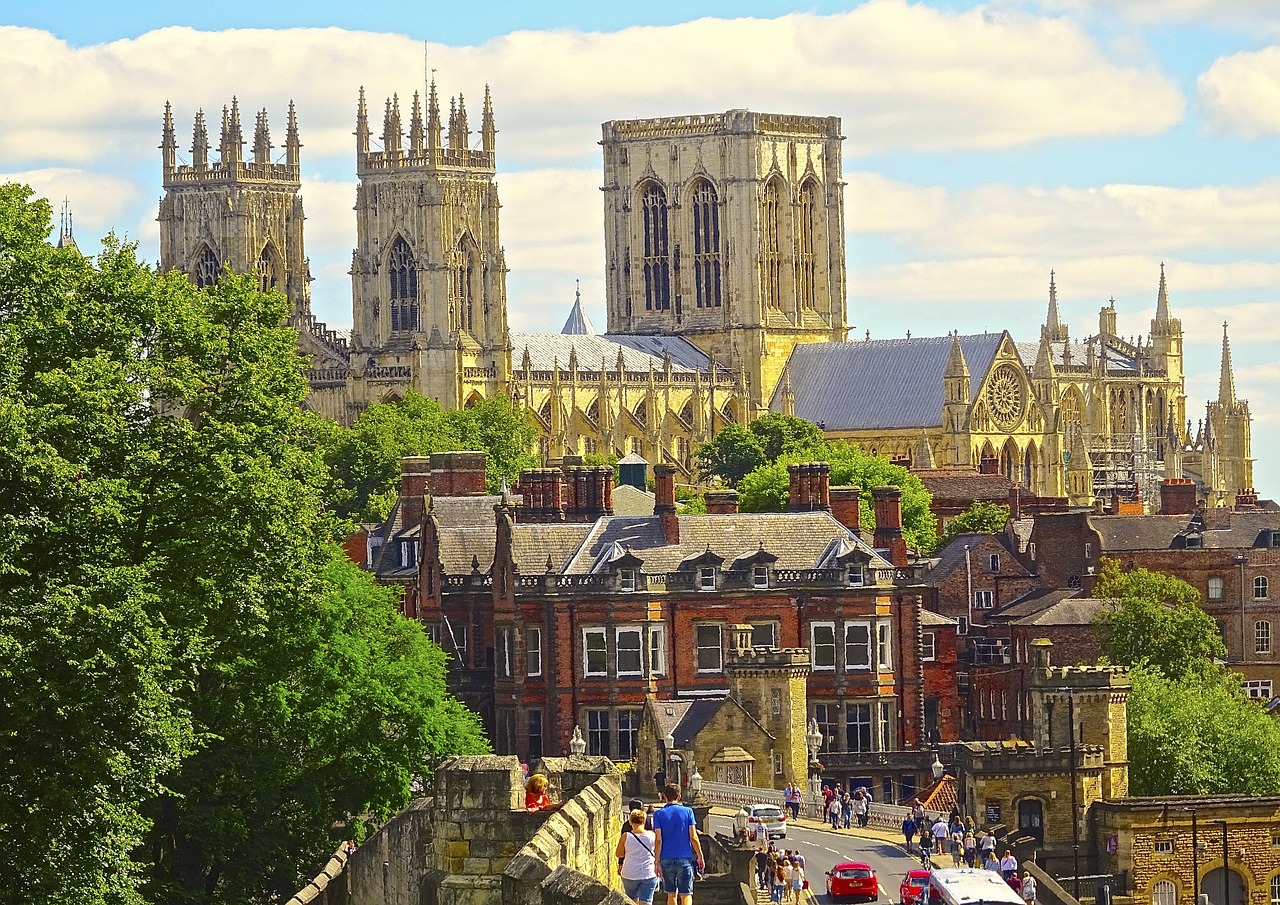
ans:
(403, 271)
(770, 221)
(463, 280)
(268, 270)
(657, 254)
(706, 245)
(805, 228)
(207, 268)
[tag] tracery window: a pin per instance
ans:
(403, 271)
(806, 273)
(657, 253)
(770, 218)
(268, 272)
(463, 276)
(706, 245)
(207, 268)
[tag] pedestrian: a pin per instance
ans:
(762, 868)
(535, 793)
(350, 848)
(779, 880)
(917, 811)
(798, 858)
(940, 836)
(846, 810)
(677, 850)
(798, 882)
(991, 862)
(987, 845)
(1028, 888)
(957, 845)
(1008, 865)
(833, 812)
(659, 779)
(970, 849)
(908, 830)
(1015, 883)
(861, 805)
(865, 814)
(635, 848)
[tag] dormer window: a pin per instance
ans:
(760, 577)
(1195, 540)
(408, 554)
(856, 576)
(627, 580)
(706, 578)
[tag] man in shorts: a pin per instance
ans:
(678, 853)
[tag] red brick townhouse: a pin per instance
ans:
(558, 614)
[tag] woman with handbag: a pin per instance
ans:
(635, 848)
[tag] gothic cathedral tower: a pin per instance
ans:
(428, 272)
(727, 229)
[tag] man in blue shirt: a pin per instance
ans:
(677, 850)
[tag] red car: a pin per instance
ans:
(914, 888)
(855, 879)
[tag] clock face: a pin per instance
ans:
(1005, 397)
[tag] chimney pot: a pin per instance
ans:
(664, 502)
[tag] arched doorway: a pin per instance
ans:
(1031, 819)
(1212, 887)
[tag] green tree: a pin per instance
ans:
(197, 691)
(731, 455)
(980, 518)
(766, 488)
(781, 435)
(1156, 621)
(365, 459)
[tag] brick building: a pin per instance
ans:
(558, 614)
(1232, 557)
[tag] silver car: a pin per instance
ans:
(767, 817)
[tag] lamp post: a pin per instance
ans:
(937, 767)
(675, 760)
(1226, 869)
(695, 784)
(1195, 857)
(577, 744)
(813, 740)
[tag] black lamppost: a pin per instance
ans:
(1226, 869)
(1195, 857)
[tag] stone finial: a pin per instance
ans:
(1226, 376)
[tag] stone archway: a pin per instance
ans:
(1212, 887)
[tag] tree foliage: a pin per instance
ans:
(736, 451)
(766, 488)
(197, 688)
(365, 459)
(980, 518)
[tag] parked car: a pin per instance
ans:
(913, 890)
(767, 817)
(853, 879)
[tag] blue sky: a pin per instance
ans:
(987, 143)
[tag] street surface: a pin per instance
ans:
(823, 849)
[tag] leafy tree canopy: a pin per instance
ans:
(198, 689)
(736, 451)
(1156, 622)
(766, 488)
(980, 518)
(365, 459)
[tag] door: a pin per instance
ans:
(1031, 820)
(1212, 887)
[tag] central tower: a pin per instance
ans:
(727, 229)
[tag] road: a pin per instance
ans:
(823, 849)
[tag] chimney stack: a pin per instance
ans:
(1015, 502)
(1246, 499)
(415, 473)
(888, 507)
(664, 503)
(722, 502)
(542, 489)
(457, 474)
(846, 507)
(1177, 496)
(809, 487)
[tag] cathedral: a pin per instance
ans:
(726, 299)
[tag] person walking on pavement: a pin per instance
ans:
(833, 812)
(797, 882)
(846, 810)
(970, 850)
(636, 848)
(908, 830)
(1028, 888)
(987, 846)
(781, 878)
(861, 805)
(940, 836)
(762, 868)
(677, 850)
(991, 862)
(1008, 865)
(957, 844)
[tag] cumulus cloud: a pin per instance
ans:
(99, 200)
(1221, 13)
(1241, 93)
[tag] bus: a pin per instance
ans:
(970, 886)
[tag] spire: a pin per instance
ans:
(1054, 327)
(362, 126)
(434, 128)
(1044, 358)
(788, 394)
(924, 453)
(391, 127)
(956, 364)
(1162, 300)
(464, 131)
(66, 235)
(578, 323)
(200, 143)
(261, 139)
(487, 130)
(415, 127)
(224, 137)
(1227, 377)
(292, 146)
(235, 137)
(168, 143)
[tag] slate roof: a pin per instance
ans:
(1030, 603)
(1138, 532)
(1071, 611)
(578, 323)
(951, 556)
(964, 484)
(928, 617)
(639, 352)
(882, 384)
(628, 500)
(1028, 352)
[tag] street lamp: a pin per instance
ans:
(813, 739)
(676, 760)
(695, 784)
(937, 767)
(577, 744)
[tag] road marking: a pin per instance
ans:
(832, 850)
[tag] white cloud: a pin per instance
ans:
(1241, 93)
(98, 200)
(1221, 13)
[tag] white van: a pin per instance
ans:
(970, 886)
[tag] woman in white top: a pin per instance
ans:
(635, 848)
(796, 875)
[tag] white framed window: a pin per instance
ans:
(928, 646)
(760, 577)
(628, 733)
(432, 632)
(885, 725)
(764, 634)
(884, 645)
(857, 645)
(1262, 637)
(657, 650)
(1217, 588)
(993, 562)
(504, 651)
(630, 650)
(822, 645)
(706, 578)
(1088, 550)
(627, 580)
(533, 651)
(598, 733)
(984, 600)
(709, 647)
(962, 625)
(856, 576)
(1163, 892)
(1258, 688)
(595, 652)
(408, 554)
(1260, 588)
(1164, 846)
(1275, 890)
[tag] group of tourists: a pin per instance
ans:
(661, 845)
(967, 845)
(782, 873)
(843, 807)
